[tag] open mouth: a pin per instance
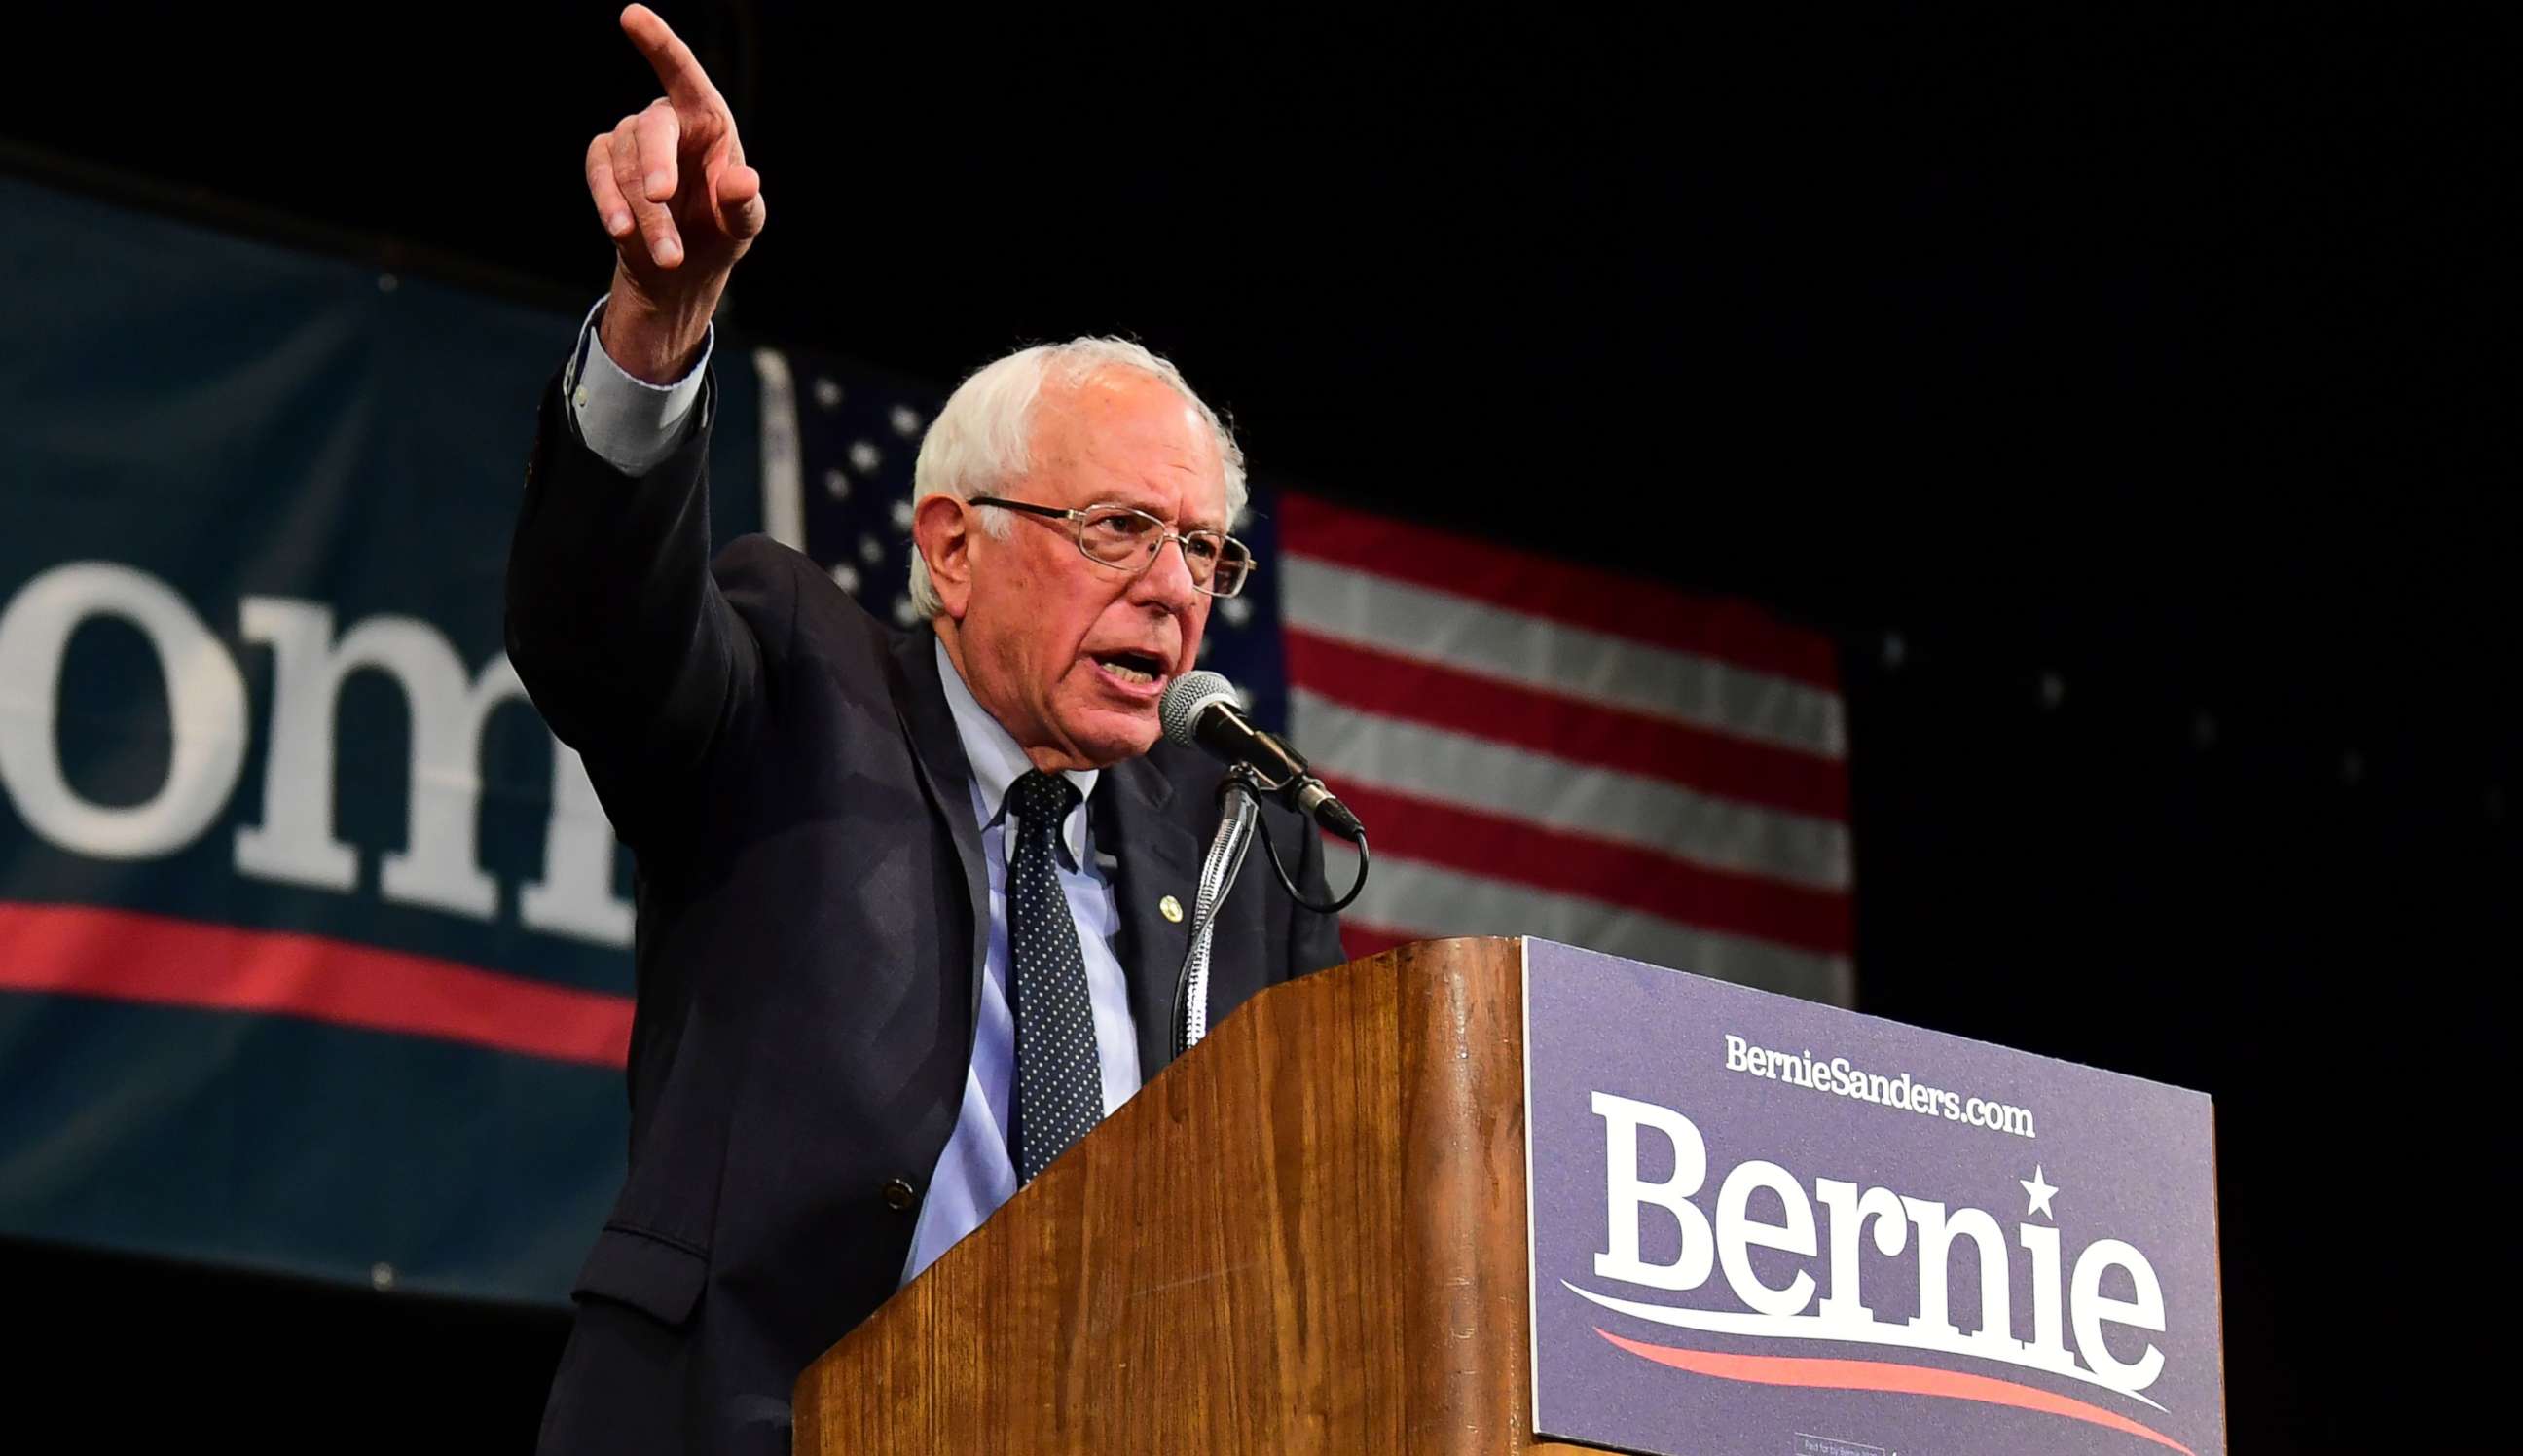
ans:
(1136, 668)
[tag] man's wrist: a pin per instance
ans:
(630, 423)
(656, 341)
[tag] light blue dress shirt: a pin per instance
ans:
(631, 424)
(634, 425)
(977, 1174)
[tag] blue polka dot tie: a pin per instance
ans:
(1060, 1077)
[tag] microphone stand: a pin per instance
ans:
(1241, 794)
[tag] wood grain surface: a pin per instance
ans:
(1307, 1235)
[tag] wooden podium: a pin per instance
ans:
(1306, 1236)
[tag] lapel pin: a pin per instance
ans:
(1171, 909)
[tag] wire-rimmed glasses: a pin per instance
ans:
(1130, 538)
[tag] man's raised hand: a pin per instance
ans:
(672, 190)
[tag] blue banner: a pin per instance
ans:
(314, 944)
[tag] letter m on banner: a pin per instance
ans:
(314, 943)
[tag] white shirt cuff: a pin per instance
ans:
(633, 425)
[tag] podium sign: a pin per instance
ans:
(1763, 1225)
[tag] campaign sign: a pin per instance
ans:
(315, 946)
(1763, 1225)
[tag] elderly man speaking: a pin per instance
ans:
(910, 902)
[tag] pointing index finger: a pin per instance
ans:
(678, 69)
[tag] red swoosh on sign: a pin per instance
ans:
(1878, 1374)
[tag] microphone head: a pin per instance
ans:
(1190, 696)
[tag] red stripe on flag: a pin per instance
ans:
(1394, 686)
(123, 955)
(1404, 827)
(1579, 595)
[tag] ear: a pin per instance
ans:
(942, 530)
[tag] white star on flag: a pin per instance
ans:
(2039, 1193)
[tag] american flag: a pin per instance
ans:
(1537, 747)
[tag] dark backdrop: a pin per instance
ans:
(2132, 397)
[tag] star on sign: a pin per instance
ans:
(2038, 1192)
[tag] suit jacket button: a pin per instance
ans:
(899, 1194)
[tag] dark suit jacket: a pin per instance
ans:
(811, 917)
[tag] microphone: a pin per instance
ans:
(1202, 711)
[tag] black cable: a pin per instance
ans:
(1261, 822)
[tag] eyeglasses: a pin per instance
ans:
(1117, 536)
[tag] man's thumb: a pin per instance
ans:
(741, 207)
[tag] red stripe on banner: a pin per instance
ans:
(1394, 686)
(1579, 595)
(1879, 1375)
(1408, 827)
(123, 954)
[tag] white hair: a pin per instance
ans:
(982, 441)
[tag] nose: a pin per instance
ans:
(1166, 582)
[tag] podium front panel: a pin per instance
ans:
(1763, 1225)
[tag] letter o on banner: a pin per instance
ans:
(205, 697)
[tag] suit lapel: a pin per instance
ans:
(938, 749)
(1154, 857)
